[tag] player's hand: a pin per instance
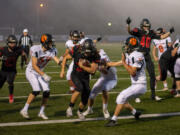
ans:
(62, 74)
(99, 39)
(156, 59)
(46, 77)
(128, 20)
(80, 63)
(171, 30)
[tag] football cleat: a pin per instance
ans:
(88, 111)
(80, 115)
(43, 116)
(137, 114)
(158, 98)
(11, 99)
(106, 114)
(69, 112)
(138, 100)
(177, 95)
(111, 123)
(24, 114)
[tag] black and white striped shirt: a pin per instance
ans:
(25, 41)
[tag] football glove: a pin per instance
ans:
(46, 77)
(128, 20)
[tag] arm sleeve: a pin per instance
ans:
(135, 32)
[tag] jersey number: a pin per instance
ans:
(161, 49)
(145, 41)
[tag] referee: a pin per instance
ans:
(25, 42)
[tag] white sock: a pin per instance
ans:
(133, 111)
(42, 109)
(89, 108)
(114, 118)
(105, 106)
(26, 106)
(165, 85)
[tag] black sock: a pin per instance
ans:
(71, 104)
(81, 110)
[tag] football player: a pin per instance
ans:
(73, 41)
(104, 84)
(161, 45)
(145, 35)
(9, 55)
(86, 59)
(134, 63)
(39, 80)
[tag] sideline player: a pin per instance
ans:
(40, 56)
(134, 63)
(161, 45)
(104, 84)
(145, 35)
(9, 55)
(86, 59)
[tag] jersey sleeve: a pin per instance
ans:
(138, 61)
(33, 52)
(54, 52)
(135, 32)
(169, 40)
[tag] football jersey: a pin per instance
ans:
(136, 59)
(42, 57)
(82, 40)
(69, 44)
(111, 74)
(161, 45)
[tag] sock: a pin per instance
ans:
(26, 106)
(81, 110)
(165, 85)
(133, 111)
(105, 106)
(89, 108)
(114, 118)
(42, 109)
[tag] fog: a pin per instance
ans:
(91, 16)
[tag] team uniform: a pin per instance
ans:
(107, 81)
(8, 66)
(37, 82)
(82, 40)
(161, 45)
(79, 77)
(145, 42)
(138, 82)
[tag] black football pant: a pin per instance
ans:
(81, 84)
(151, 72)
(23, 58)
(9, 77)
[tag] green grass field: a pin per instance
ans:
(57, 106)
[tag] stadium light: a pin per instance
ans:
(109, 24)
(41, 5)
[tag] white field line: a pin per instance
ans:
(87, 119)
(62, 95)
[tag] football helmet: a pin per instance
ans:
(75, 36)
(145, 23)
(12, 39)
(47, 41)
(159, 31)
(88, 48)
(131, 44)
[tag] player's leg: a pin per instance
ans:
(10, 81)
(33, 80)
(177, 76)
(151, 72)
(2, 78)
(68, 77)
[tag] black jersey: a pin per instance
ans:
(145, 39)
(9, 59)
(76, 55)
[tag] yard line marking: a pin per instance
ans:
(61, 95)
(12, 124)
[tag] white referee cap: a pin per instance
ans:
(25, 30)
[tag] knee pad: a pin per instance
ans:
(35, 93)
(46, 94)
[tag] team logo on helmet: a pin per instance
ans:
(131, 44)
(47, 41)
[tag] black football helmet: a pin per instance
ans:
(75, 36)
(12, 39)
(82, 34)
(88, 48)
(47, 41)
(145, 23)
(159, 31)
(131, 44)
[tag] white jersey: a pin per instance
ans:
(42, 57)
(136, 59)
(69, 44)
(82, 40)
(161, 45)
(112, 70)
